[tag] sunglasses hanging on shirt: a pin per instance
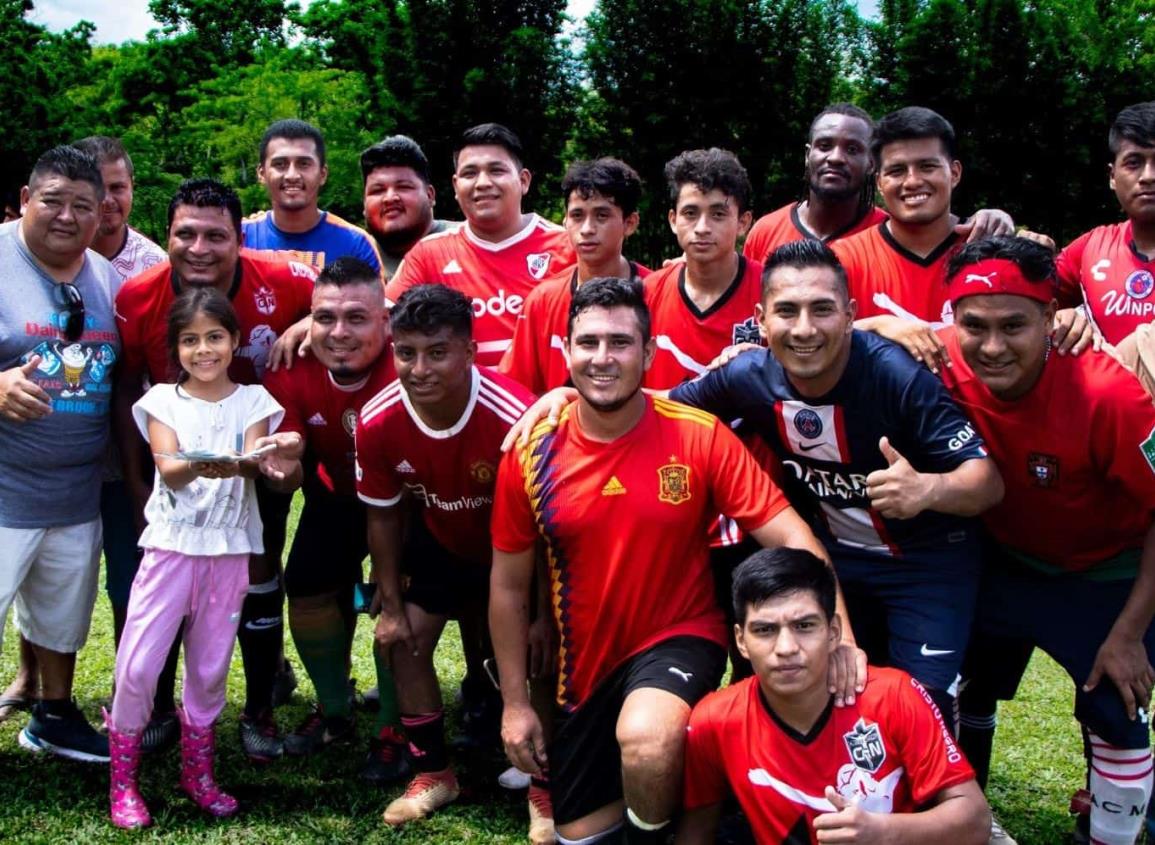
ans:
(69, 298)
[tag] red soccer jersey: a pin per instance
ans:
(497, 277)
(451, 472)
(1104, 269)
(890, 752)
(689, 339)
(1077, 456)
(325, 414)
(625, 529)
(785, 226)
(535, 359)
(269, 298)
(886, 278)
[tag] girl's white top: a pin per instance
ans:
(208, 516)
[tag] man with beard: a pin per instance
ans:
(399, 198)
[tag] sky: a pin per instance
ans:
(129, 19)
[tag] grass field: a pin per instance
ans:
(1038, 762)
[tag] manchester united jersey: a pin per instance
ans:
(450, 473)
(1077, 456)
(497, 277)
(268, 298)
(331, 238)
(889, 752)
(625, 528)
(1104, 269)
(886, 278)
(535, 358)
(829, 444)
(689, 339)
(325, 414)
(785, 226)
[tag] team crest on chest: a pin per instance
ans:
(537, 263)
(1043, 469)
(265, 300)
(674, 483)
(865, 746)
(349, 421)
(1139, 284)
(746, 332)
(482, 472)
(808, 423)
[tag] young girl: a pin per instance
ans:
(202, 526)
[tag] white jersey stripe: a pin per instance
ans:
(501, 413)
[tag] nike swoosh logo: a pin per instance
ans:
(811, 448)
(934, 652)
(263, 624)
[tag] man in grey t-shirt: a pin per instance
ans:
(58, 344)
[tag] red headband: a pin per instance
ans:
(996, 275)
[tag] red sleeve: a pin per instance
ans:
(520, 359)
(377, 484)
(512, 525)
(411, 272)
(741, 488)
(755, 246)
(1123, 435)
(931, 756)
(704, 778)
(280, 387)
(132, 351)
(1068, 267)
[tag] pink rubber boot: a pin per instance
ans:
(125, 805)
(197, 753)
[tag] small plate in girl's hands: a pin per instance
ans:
(207, 457)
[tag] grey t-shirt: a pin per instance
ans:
(50, 468)
(391, 261)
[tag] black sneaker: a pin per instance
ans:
(161, 732)
(284, 682)
(61, 729)
(317, 732)
(259, 738)
(387, 760)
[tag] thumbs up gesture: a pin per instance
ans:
(22, 399)
(848, 822)
(899, 491)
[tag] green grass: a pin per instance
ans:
(1038, 762)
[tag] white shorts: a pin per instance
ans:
(51, 574)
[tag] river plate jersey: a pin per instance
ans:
(1077, 456)
(889, 751)
(1104, 269)
(886, 278)
(325, 414)
(497, 277)
(449, 472)
(828, 445)
(625, 524)
(784, 226)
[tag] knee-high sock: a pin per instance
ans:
(947, 704)
(978, 718)
(260, 635)
(1120, 781)
(426, 734)
(389, 714)
(320, 635)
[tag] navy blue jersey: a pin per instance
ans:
(828, 445)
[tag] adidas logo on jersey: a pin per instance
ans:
(452, 267)
(316, 419)
(614, 487)
(405, 467)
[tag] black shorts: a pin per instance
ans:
(435, 579)
(330, 545)
(585, 762)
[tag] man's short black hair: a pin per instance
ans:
(207, 193)
(348, 271)
(1135, 124)
(395, 151)
(1034, 260)
(430, 308)
(845, 109)
(800, 255)
(106, 150)
(610, 177)
(709, 170)
(770, 573)
(911, 124)
(611, 292)
(491, 135)
(292, 129)
(71, 163)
